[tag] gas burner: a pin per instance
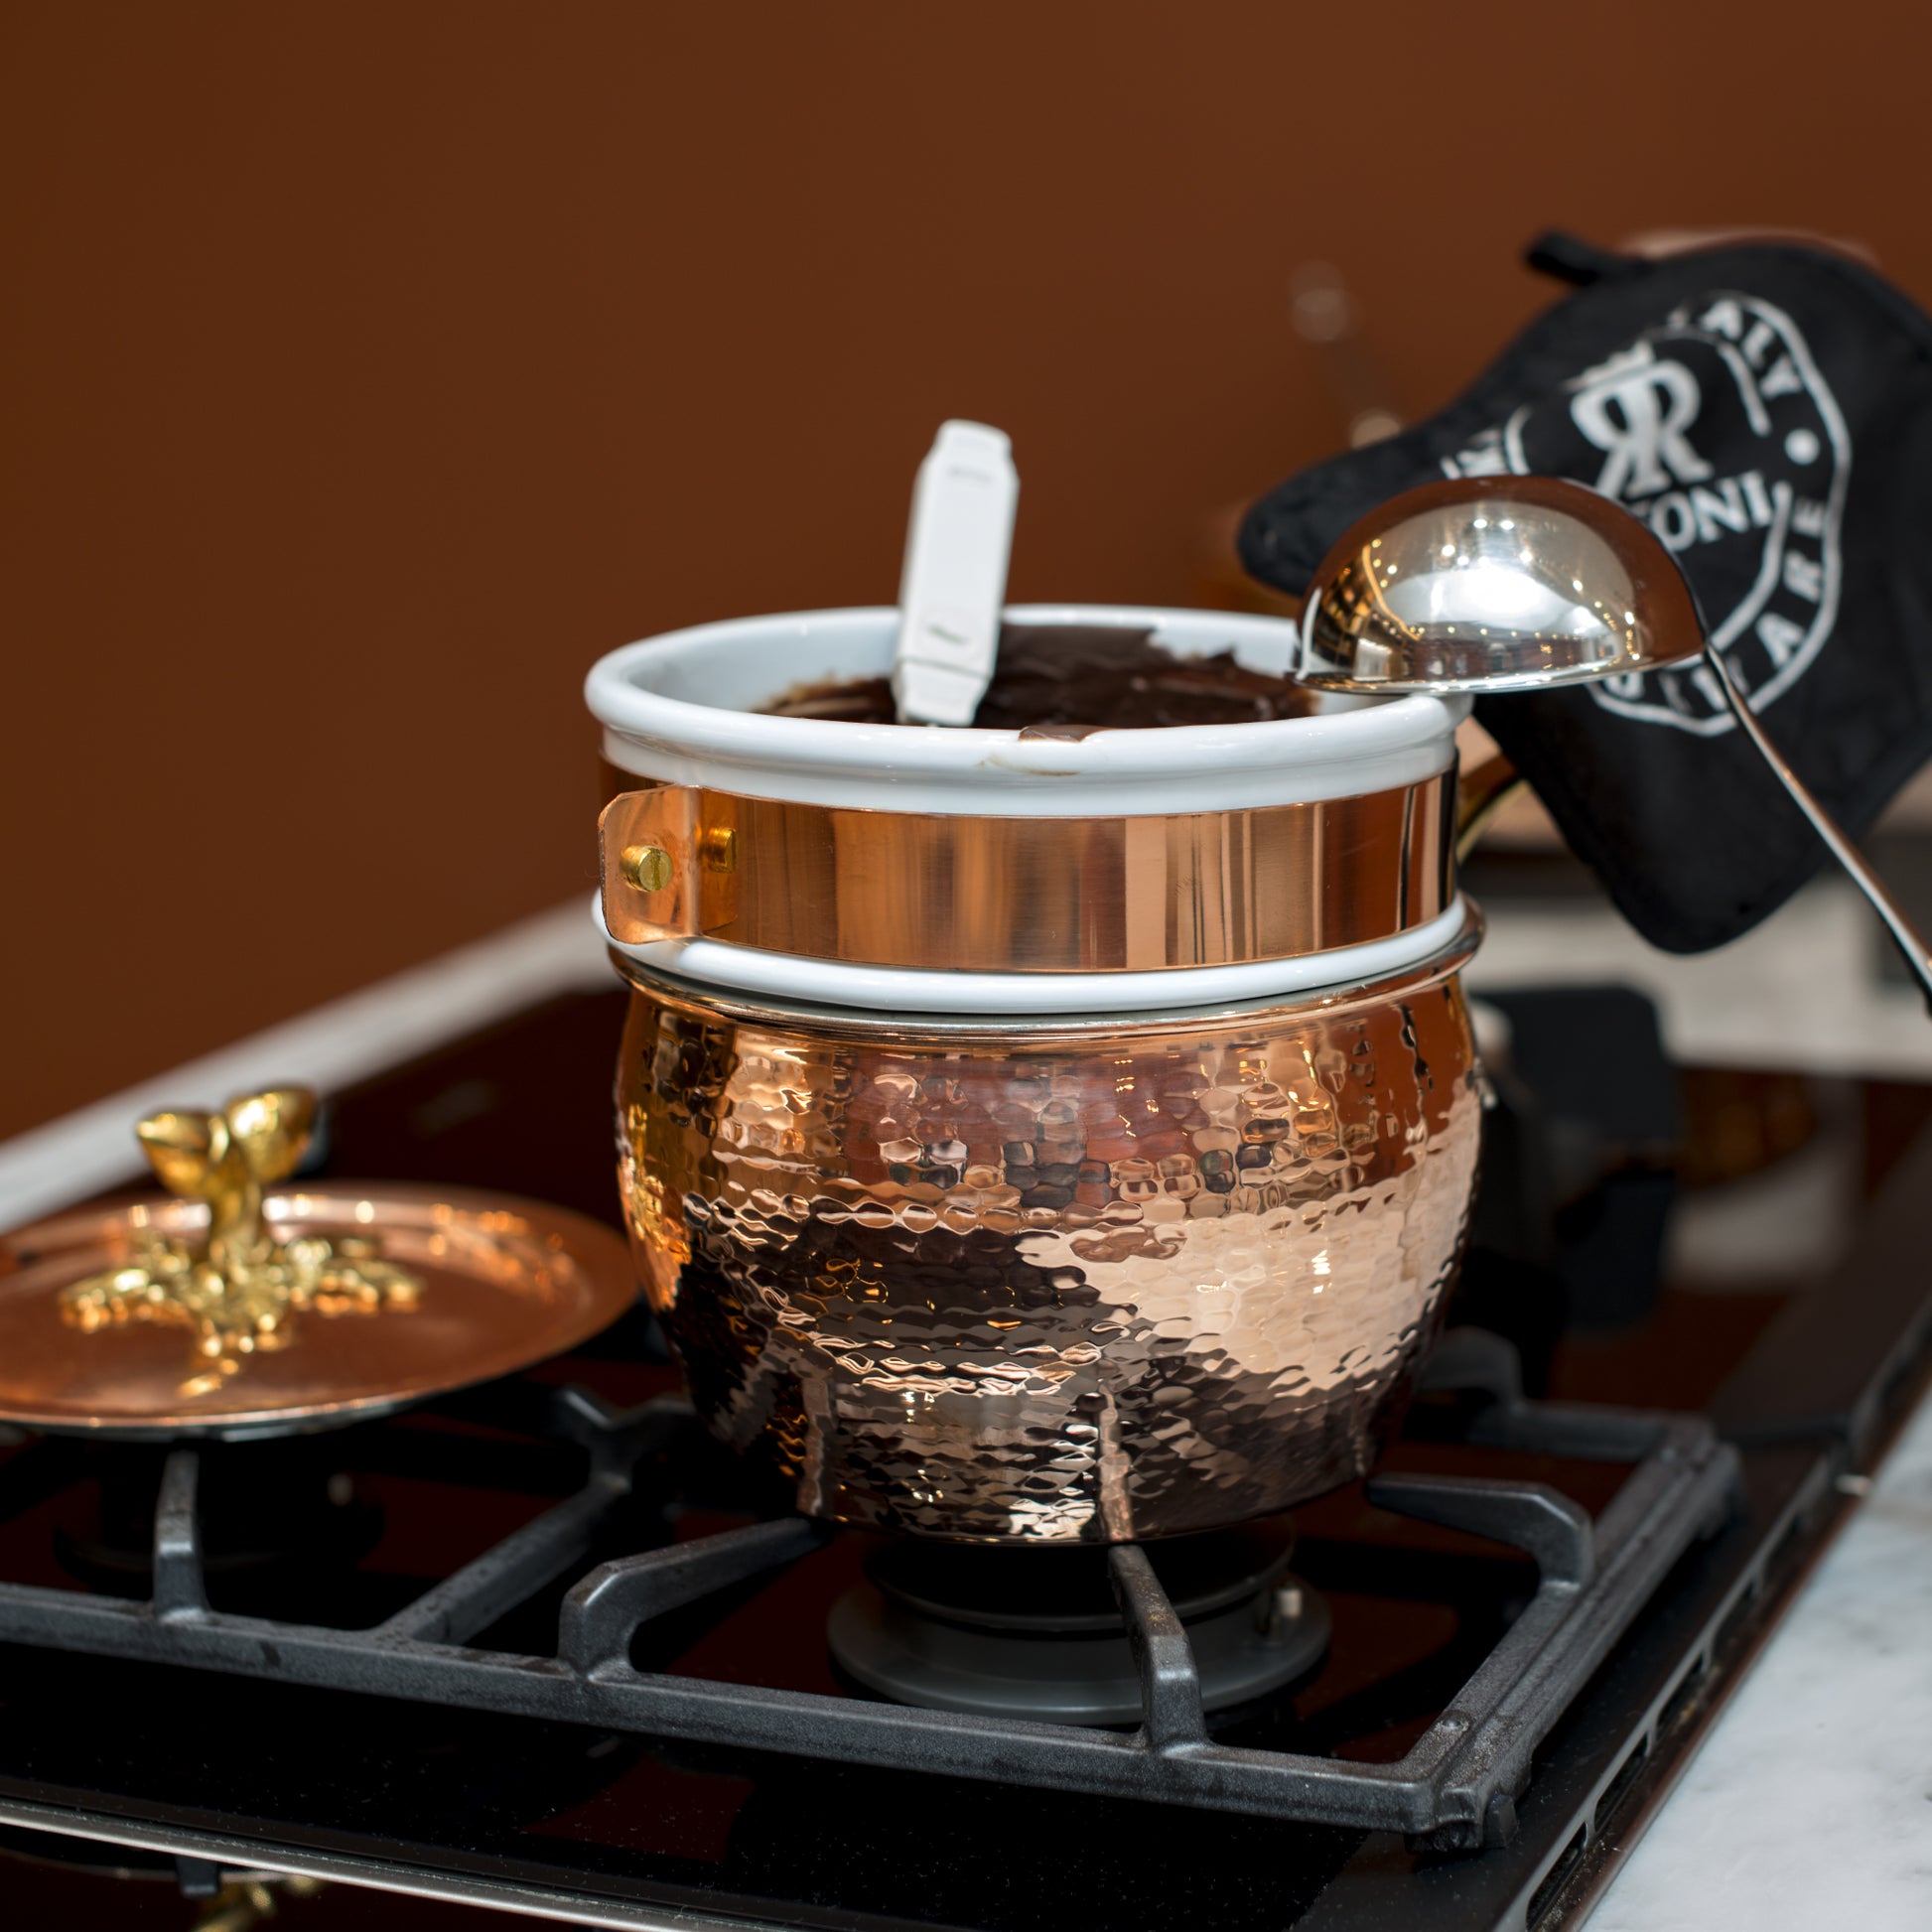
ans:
(277, 1517)
(1042, 1633)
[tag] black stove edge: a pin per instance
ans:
(1816, 1401)
(493, 1885)
(1819, 1506)
(1836, 1363)
(1623, 1744)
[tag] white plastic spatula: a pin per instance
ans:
(955, 576)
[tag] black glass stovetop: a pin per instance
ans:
(1605, 1172)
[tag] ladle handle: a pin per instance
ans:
(1482, 791)
(1905, 935)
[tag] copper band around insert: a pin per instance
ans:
(1026, 895)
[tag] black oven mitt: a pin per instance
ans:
(1768, 410)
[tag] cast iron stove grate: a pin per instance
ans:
(1454, 1789)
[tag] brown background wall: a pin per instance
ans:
(371, 369)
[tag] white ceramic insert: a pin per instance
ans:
(683, 708)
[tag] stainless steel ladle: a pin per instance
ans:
(1519, 584)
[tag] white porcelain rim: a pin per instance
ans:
(897, 988)
(1355, 746)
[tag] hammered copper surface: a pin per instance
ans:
(973, 893)
(1153, 1276)
(502, 1283)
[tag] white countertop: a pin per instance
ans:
(1801, 993)
(1809, 1806)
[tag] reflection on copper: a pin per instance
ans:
(498, 1286)
(1098, 1282)
(967, 894)
(247, 1309)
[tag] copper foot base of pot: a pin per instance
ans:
(1036, 1633)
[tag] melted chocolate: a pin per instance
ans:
(1067, 681)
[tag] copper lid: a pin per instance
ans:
(495, 1284)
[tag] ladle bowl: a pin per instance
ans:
(1498, 584)
(1512, 584)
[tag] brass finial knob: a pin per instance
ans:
(240, 1289)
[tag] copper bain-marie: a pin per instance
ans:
(1159, 1278)
(1037, 1134)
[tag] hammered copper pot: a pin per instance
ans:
(1036, 1139)
(1093, 1281)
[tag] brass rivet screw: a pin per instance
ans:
(718, 848)
(647, 867)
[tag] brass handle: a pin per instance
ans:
(227, 1158)
(664, 875)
